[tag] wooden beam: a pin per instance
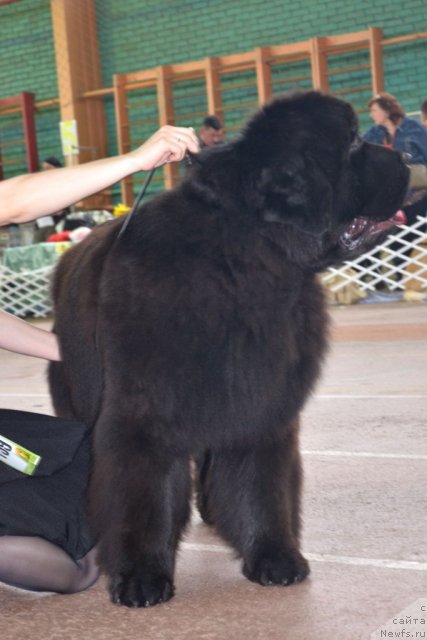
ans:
(376, 55)
(78, 71)
(149, 76)
(213, 86)
(294, 49)
(27, 105)
(263, 74)
(122, 128)
(78, 68)
(411, 37)
(166, 116)
(24, 104)
(319, 65)
(237, 60)
(360, 39)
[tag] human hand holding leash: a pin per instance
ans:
(168, 144)
(29, 196)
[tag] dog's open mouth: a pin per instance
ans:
(360, 228)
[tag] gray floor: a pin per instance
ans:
(365, 459)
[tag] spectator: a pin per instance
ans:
(211, 132)
(45, 226)
(51, 163)
(393, 129)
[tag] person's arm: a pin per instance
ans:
(29, 196)
(21, 337)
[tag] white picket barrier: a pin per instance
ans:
(26, 293)
(397, 264)
(400, 263)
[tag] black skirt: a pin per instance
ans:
(51, 503)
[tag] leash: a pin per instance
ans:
(136, 203)
(188, 159)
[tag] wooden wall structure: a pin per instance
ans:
(79, 70)
(318, 52)
(146, 99)
(24, 105)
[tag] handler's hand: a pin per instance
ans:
(168, 144)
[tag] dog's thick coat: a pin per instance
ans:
(200, 333)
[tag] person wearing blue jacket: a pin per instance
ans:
(394, 129)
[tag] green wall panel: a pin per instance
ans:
(141, 34)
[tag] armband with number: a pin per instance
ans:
(17, 457)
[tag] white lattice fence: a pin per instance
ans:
(399, 263)
(27, 292)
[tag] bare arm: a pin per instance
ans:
(21, 337)
(32, 195)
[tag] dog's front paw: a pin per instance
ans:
(281, 569)
(140, 590)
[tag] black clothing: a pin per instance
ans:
(51, 503)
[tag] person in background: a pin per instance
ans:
(211, 132)
(45, 543)
(23, 198)
(393, 129)
(51, 163)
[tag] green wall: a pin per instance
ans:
(138, 34)
(27, 63)
(146, 33)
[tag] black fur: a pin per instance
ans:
(200, 333)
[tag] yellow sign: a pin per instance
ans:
(69, 139)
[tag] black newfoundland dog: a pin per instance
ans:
(199, 333)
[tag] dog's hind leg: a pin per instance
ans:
(252, 495)
(139, 505)
(203, 464)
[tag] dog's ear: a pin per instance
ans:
(296, 193)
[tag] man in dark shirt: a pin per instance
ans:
(211, 132)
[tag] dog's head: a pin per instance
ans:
(299, 162)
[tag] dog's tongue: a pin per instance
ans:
(396, 220)
(400, 217)
(361, 227)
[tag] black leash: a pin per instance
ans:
(138, 199)
(188, 161)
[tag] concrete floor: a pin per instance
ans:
(365, 456)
